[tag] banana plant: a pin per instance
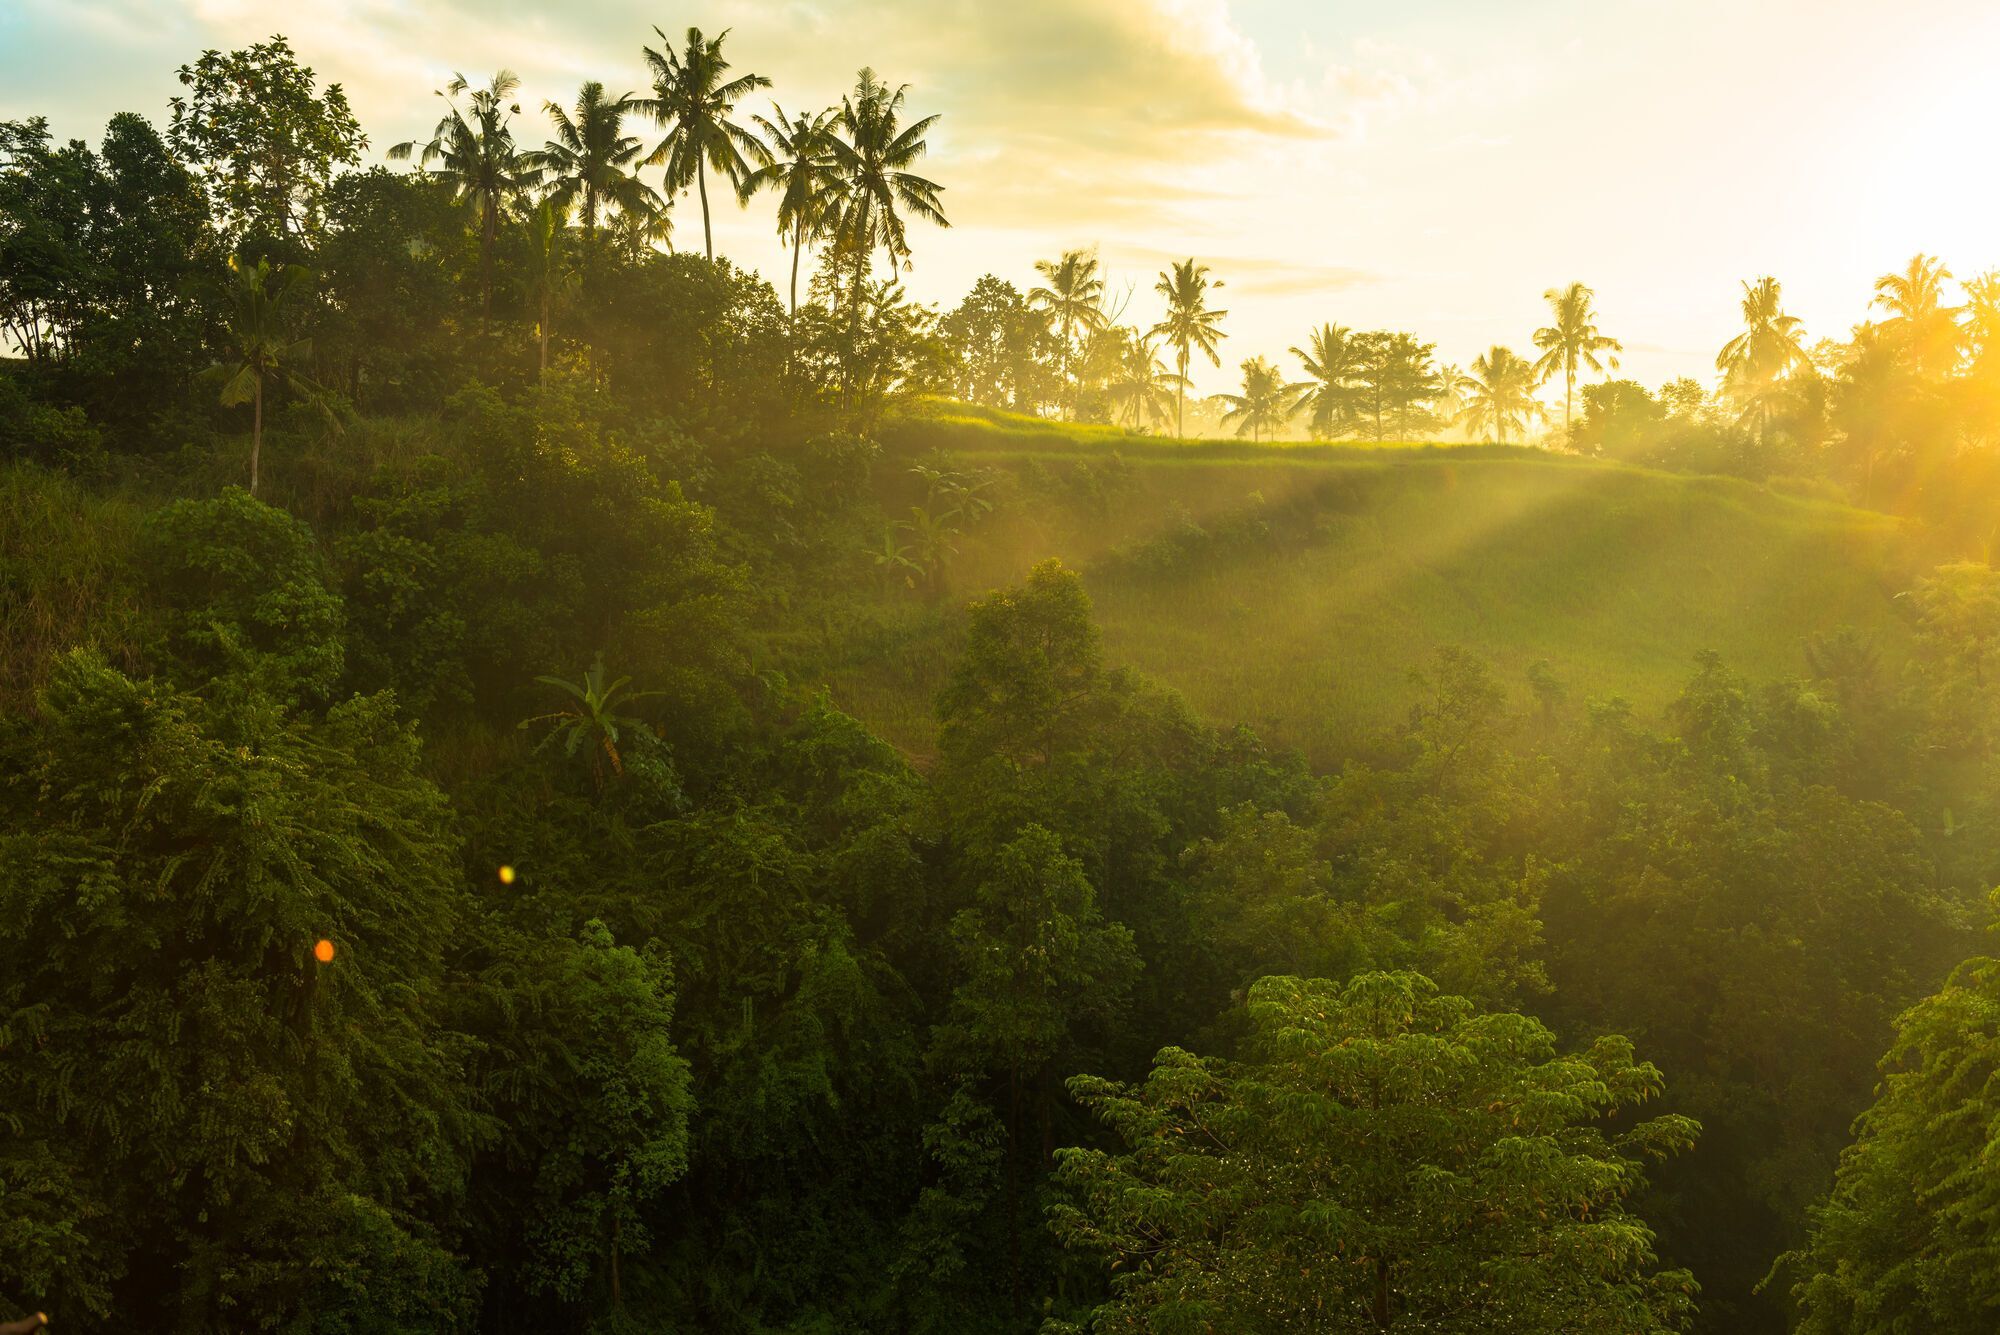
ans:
(591, 719)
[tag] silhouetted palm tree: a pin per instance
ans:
(1070, 298)
(1262, 406)
(1771, 342)
(1190, 325)
(1573, 338)
(1927, 328)
(1329, 394)
(1768, 350)
(478, 159)
(693, 102)
(1500, 394)
(590, 160)
(1141, 388)
(876, 187)
(796, 159)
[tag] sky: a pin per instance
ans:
(1429, 165)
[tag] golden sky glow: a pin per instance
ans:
(1429, 166)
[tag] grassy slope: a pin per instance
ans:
(1299, 586)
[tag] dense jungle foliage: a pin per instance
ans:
(442, 890)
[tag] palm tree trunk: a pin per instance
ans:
(256, 430)
(1569, 389)
(798, 243)
(489, 232)
(590, 211)
(1180, 399)
(544, 372)
(701, 183)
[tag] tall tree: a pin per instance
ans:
(1756, 363)
(693, 102)
(795, 158)
(590, 161)
(550, 276)
(1071, 296)
(1394, 382)
(1571, 340)
(872, 158)
(262, 348)
(1142, 389)
(1919, 320)
(1500, 393)
(1266, 401)
(477, 159)
(1190, 325)
(1328, 393)
(1772, 342)
(264, 140)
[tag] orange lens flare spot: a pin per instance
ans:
(323, 952)
(506, 875)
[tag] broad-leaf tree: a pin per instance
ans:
(1382, 1158)
(264, 139)
(1905, 1241)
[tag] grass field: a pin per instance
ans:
(1294, 588)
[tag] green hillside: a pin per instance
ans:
(1295, 588)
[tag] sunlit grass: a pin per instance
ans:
(1296, 591)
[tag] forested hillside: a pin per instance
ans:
(549, 782)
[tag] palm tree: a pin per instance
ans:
(1500, 393)
(633, 231)
(1071, 301)
(1771, 342)
(1189, 325)
(693, 102)
(262, 347)
(1329, 394)
(1768, 350)
(589, 161)
(1982, 312)
(1914, 298)
(1573, 338)
(871, 165)
(796, 160)
(550, 277)
(1262, 405)
(591, 718)
(477, 158)
(1142, 388)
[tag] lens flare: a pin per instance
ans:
(323, 952)
(506, 874)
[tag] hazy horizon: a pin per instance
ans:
(1429, 166)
